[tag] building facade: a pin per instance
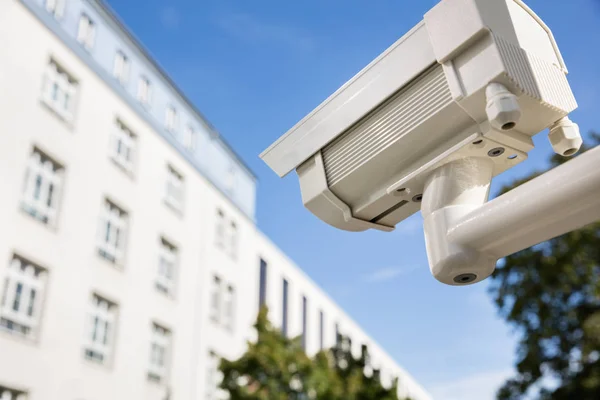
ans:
(130, 261)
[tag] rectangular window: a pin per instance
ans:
(231, 180)
(121, 67)
(167, 266)
(23, 290)
(233, 240)
(174, 189)
(144, 93)
(102, 318)
(262, 284)
(42, 187)
(171, 119)
(112, 233)
(215, 301)
(122, 146)
(338, 336)
(56, 8)
(220, 229)
(189, 138)
(86, 34)
(229, 308)
(304, 321)
(214, 376)
(284, 317)
(159, 353)
(7, 393)
(59, 91)
(321, 330)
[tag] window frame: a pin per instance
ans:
(121, 67)
(171, 119)
(144, 91)
(86, 32)
(174, 189)
(116, 220)
(285, 307)
(56, 8)
(23, 286)
(160, 339)
(123, 137)
(189, 138)
(42, 187)
(216, 300)
(229, 304)
(169, 256)
(100, 311)
(59, 90)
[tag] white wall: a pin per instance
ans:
(52, 367)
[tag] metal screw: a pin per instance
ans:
(495, 152)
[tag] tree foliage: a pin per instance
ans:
(551, 294)
(276, 368)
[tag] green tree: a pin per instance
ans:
(276, 368)
(551, 294)
(273, 368)
(358, 380)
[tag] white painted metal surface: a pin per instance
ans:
(561, 200)
(465, 236)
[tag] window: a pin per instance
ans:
(167, 265)
(215, 301)
(171, 119)
(338, 336)
(59, 91)
(284, 317)
(226, 235)
(22, 295)
(231, 178)
(233, 240)
(321, 330)
(100, 330)
(220, 229)
(12, 394)
(41, 189)
(214, 376)
(121, 67)
(262, 290)
(229, 306)
(56, 8)
(304, 321)
(189, 138)
(112, 232)
(122, 146)
(174, 191)
(159, 353)
(222, 304)
(86, 35)
(144, 93)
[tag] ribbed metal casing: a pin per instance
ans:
(538, 78)
(385, 125)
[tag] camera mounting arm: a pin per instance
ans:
(466, 235)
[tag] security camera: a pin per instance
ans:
(428, 124)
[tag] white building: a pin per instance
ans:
(129, 255)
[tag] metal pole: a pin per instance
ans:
(559, 201)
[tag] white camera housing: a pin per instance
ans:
(476, 79)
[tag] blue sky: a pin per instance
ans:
(256, 67)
